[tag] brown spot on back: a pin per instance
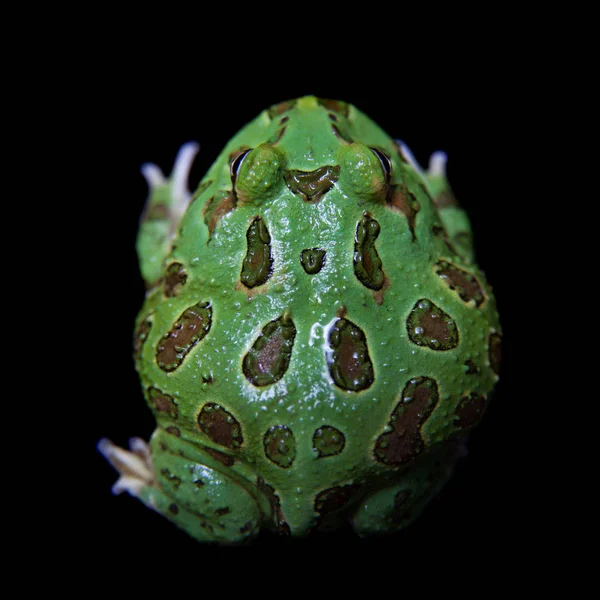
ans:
(336, 106)
(328, 441)
(472, 368)
(462, 282)
(173, 430)
(191, 327)
(470, 410)
(367, 264)
(216, 208)
(278, 109)
(140, 337)
(174, 280)
(220, 426)
(312, 185)
(428, 325)
(258, 262)
(276, 512)
(269, 358)
(280, 446)
(349, 363)
(495, 352)
(161, 402)
(223, 458)
(312, 260)
(173, 480)
(404, 442)
(335, 498)
(173, 509)
(404, 201)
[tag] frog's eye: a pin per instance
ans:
(365, 172)
(257, 174)
(386, 163)
(236, 163)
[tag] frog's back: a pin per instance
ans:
(320, 326)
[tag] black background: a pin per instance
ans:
(133, 114)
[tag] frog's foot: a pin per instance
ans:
(134, 465)
(437, 162)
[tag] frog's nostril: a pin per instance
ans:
(312, 185)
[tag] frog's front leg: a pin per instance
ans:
(167, 201)
(186, 485)
(453, 217)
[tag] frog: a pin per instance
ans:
(316, 341)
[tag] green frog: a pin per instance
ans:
(316, 340)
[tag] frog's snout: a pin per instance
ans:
(312, 185)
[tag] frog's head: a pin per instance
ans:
(310, 145)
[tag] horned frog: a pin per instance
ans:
(316, 339)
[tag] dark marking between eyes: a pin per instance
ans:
(349, 364)
(220, 426)
(268, 359)
(258, 262)
(404, 442)
(311, 186)
(191, 327)
(428, 325)
(312, 260)
(367, 264)
(280, 446)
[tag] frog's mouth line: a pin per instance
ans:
(312, 185)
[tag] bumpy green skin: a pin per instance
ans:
(315, 424)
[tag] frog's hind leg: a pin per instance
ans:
(187, 486)
(395, 506)
(167, 201)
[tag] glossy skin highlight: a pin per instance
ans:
(317, 341)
